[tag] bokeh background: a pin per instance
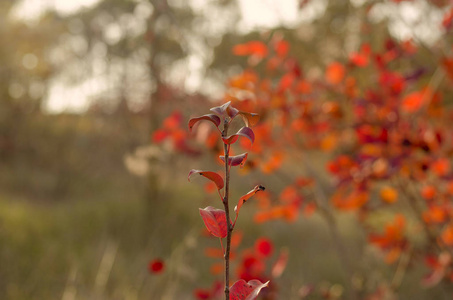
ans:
(87, 199)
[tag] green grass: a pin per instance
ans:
(99, 249)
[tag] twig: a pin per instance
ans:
(412, 201)
(401, 270)
(227, 211)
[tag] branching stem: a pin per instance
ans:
(226, 148)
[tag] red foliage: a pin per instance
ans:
(335, 73)
(380, 123)
(264, 247)
(215, 221)
(156, 266)
(254, 48)
(242, 290)
(392, 240)
(214, 177)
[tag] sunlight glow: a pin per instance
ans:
(31, 10)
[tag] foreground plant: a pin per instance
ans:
(218, 221)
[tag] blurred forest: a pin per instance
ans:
(87, 198)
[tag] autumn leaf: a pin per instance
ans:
(250, 119)
(428, 192)
(286, 82)
(213, 293)
(448, 66)
(215, 221)
(441, 166)
(255, 48)
(156, 266)
(247, 196)
(412, 102)
(173, 121)
(264, 247)
(447, 21)
(335, 73)
(235, 160)
(210, 117)
(213, 176)
(350, 199)
(273, 163)
(303, 87)
(242, 290)
(392, 240)
(388, 194)
(160, 135)
(244, 131)
(225, 110)
(281, 47)
(435, 215)
(361, 59)
(447, 235)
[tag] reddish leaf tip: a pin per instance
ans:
(213, 176)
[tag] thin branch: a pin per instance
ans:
(226, 149)
(401, 269)
(412, 201)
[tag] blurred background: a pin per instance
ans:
(87, 199)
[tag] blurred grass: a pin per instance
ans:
(41, 245)
(100, 249)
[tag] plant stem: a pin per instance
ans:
(226, 149)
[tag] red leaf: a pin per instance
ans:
(242, 290)
(447, 21)
(156, 266)
(212, 118)
(412, 102)
(213, 293)
(448, 65)
(173, 121)
(250, 119)
(255, 48)
(225, 108)
(236, 160)
(359, 59)
(202, 294)
(264, 247)
(282, 48)
(335, 73)
(241, 50)
(286, 81)
(213, 176)
(247, 196)
(159, 135)
(244, 131)
(215, 221)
